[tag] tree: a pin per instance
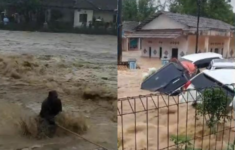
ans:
(30, 9)
(130, 10)
(217, 9)
(138, 11)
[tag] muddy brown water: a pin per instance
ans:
(95, 58)
(129, 82)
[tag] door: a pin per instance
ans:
(160, 52)
(174, 53)
(216, 50)
(166, 80)
(150, 52)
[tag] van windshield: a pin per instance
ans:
(202, 81)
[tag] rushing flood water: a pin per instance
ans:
(33, 63)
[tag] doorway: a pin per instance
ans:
(216, 50)
(150, 52)
(160, 52)
(174, 53)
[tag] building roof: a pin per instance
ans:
(129, 25)
(104, 4)
(190, 21)
(168, 34)
(107, 5)
(58, 3)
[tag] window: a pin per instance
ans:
(202, 81)
(203, 63)
(83, 18)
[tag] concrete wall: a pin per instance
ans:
(215, 42)
(187, 45)
(124, 44)
(163, 22)
(105, 15)
(166, 44)
(232, 47)
(77, 13)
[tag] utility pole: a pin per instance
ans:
(198, 20)
(119, 31)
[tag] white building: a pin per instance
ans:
(80, 12)
(167, 35)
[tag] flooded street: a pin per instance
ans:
(149, 122)
(81, 68)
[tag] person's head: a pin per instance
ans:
(52, 95)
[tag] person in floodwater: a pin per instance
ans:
(51, 107)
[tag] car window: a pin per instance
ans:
(183, 59)
(224, 67)
(204, 62)
(202, 81)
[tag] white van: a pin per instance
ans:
(172, 77)
(223, 78)
(222, 64)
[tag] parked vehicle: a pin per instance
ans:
(222, 64)
(201, 60)
(166, 79)
(172, 77)
(223, 78)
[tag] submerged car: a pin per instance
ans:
(173, 76)
(222, 64)
(201, 60)
(207, 79)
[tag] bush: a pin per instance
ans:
(183, 142)
(215, 105)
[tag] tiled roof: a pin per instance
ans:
(190, 21)
(109, 5)
(129, 25)
(104, 4)
(156, 34)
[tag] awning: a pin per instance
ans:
(156, 34)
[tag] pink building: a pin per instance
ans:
(167, 35)
(129, 43)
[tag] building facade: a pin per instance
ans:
(167, 35)
(128, 28)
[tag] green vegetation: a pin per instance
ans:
(216, 9)
(183, 142)
(215, 105)
(138, 11)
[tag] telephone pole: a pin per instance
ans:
(198, 21)
(119, 31)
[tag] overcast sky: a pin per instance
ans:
(232, 2)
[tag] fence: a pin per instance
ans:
(195, 120)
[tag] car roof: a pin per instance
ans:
(200, 56)
(223, 63)
(224, 76)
